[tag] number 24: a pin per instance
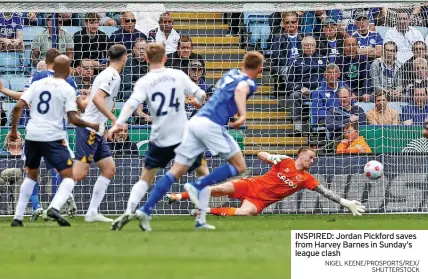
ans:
(159, 112)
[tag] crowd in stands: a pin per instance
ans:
(347, 67)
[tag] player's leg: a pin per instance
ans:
(35, 204)
(86, 146)
(33, 157)
(225, 189)
(247, 209)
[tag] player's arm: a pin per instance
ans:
(12, 94)
(241, 93)
(82, 104)
(99, 102)
(193, 90)
(354, 206)
(16, 114)
(74, 118)
(271, 159)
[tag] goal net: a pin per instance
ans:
(349, 79)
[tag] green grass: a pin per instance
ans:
(253, 247)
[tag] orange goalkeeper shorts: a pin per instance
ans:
(245, 190)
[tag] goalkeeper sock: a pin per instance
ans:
(218, 175)
(63, 193)
(34, 199)
(137, 194)
(223, 211)
(25, 191)
(98, 193)
(159, 190)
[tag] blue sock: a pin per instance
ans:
(56, 180)
(159, 190)
(218, 175)
(34, 199)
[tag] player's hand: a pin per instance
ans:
(354, 206)
(114, 130)
(95, 126)
(275, 159)
(12, 136)
(1, 85)
(237, 124)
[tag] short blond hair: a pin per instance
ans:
(253, 60)
(155, 52)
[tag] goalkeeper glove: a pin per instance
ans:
(354, 206)
(275, 159)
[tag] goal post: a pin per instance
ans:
(285, 113)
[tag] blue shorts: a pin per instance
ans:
(56, 154)
(90, 146)
(159, 157)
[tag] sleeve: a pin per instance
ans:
(362, 119)
(405, 114)
(28, 94)
(127, 75)
(395, 117)
(69, 43)
(77, 53)
(19, 22)
(70, 100)
(32, 79)
(37, 41)
(140, 93)
(331, 122)
(342, 148)
(73, 84)
(311, 182)
(109, 84)
(190, 88)
(371, 118)
(376, 77)
(318, 106)
(379, 40)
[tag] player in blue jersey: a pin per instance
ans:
(51, 54)
(206, 131)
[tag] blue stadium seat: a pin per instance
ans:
(17, 82)
(382, 30)
(10, 61)
(71, 29)
(108, 29)
(31, 31)
(397, 106)
(365, 106)
(258, 28)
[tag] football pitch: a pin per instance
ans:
(241, 247)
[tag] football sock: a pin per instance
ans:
(25, 191)
(223, 211)
(34, 199)
(137, 194)
(204, 198)
(159, 190)
(63, 193)
(56, 180)
(218, 175)
(98, 193)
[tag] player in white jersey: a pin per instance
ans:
(90, 144)
(48, 100)
(164, 91)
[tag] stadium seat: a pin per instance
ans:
(31, 31)
(71, 29)
(17, 82)
(10, 62)
(108, 29)
(382, 30)
(397, 105)
(365, 106)
(258, 28)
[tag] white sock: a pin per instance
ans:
(98, 193)
(25, 192)
(204, 198)
(63, 193)
(137, 194)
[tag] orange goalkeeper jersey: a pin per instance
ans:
(281, 181)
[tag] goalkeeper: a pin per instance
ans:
(286, 177)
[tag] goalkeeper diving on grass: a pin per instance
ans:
(285, 177)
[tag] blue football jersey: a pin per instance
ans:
(372, 39)
(48, 73)
(221, 106)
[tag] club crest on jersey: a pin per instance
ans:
(299, 178)
(287, 181)
(287, 170)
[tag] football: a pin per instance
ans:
(373, 170)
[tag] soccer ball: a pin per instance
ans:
(373, 170)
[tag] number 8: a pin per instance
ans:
(45, 101)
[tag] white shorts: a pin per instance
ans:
(202, 134)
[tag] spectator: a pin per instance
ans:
(355, 70)
(234, 22)
(127, 34)
(344, 113)
(286, 46)
(13, 148)
(312, 22)
(11, 34)
(142, 115)
(136, 67)
(381, 114)
(109, 19)
(325, 96)
(122, 145)
(31, 19)
(404, 36)
(330, 43)
(353, 142)
(180, 59)
(369, 42)
(304, 76)
(385, 72)
(70, 19)
(90, 43)
(416, 112)
(86, 78)
(406, 72)
(166, 33)
(3, 116)
(195, 72)
(420, 68)
(349, 18)
(42, 42)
